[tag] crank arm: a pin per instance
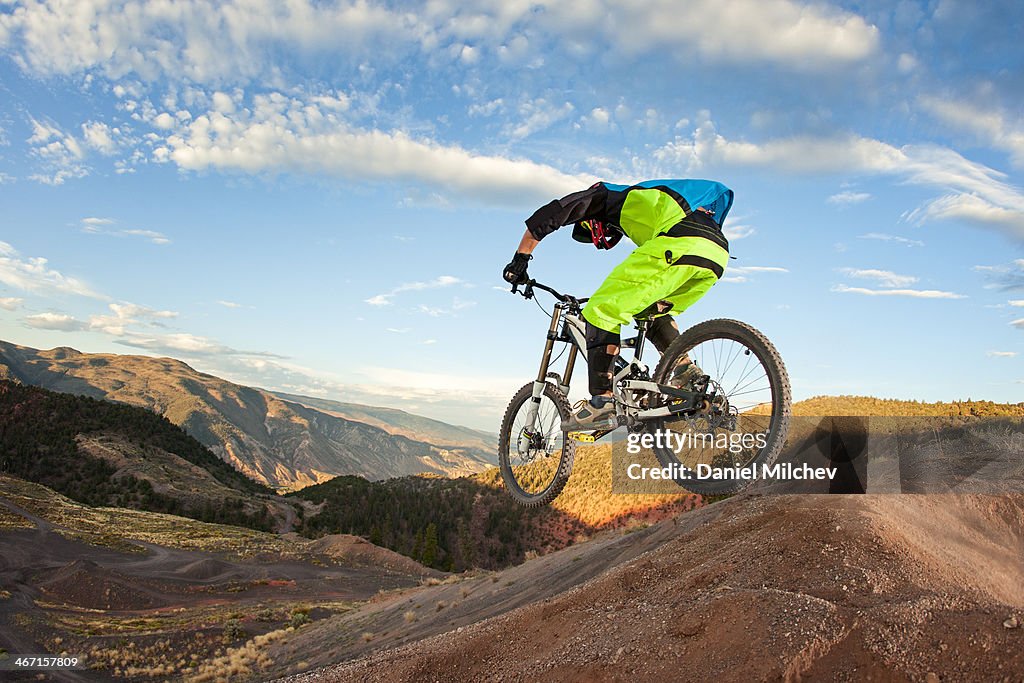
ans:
(584, 437)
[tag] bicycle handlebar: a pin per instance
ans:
(532, 284)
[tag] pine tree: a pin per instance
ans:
(430, 545)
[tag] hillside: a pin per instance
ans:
(399, 422)
(455, 524)
(895, 588)
(868, 406)
(108, 454)
(280, 443)
(152, 596)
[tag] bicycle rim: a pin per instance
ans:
(535, 458)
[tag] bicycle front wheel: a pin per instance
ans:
(745, 421)
(534, 456)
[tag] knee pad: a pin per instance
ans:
(599, 361)
(662, 332)
(599, 370)
(598, 337)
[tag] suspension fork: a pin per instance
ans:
(545, 362)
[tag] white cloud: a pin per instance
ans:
(125, 315)
(385, 299)
(992, 126)
(846, 198)
(32, 274)
(1001, 354)
(975, 209)
(229, 304)
(738, 274)
(734, 231)
(206, 42)
(438, 312)
(176, 343)
(93, 221)
(975, 192)
(55, 321)
(598, 120)
(488, 108)
(537, 115)
(1018, 303)
(60, 154)
(1008, 277)
(891, 238)
(190, 345)
(10, 303)
(278, 133)
(906, 63)
(1018, 323)
(776, 31)
(103, 138)
(746, 270)
(195, 40)
(913, 293)
(93, 226)
(151, 235)
(885, 278)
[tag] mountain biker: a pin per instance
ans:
(681, 252)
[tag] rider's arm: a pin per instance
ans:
(577, 206)
(528, 243)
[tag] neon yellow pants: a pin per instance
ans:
(651, 273)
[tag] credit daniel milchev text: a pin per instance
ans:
(733, 442)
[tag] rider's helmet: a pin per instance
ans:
(599, 233)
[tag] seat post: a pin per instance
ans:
(641, 337)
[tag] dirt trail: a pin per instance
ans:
(781, 587)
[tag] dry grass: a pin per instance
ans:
(1007, 438)
(10, 521)
(238, 663)
(116, 527)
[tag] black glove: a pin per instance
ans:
(515, 272)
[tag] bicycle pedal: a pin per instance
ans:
(582, 437)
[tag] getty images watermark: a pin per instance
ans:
(734, 443)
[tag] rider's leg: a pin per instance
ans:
(599, 411)
(663, 329)
(686, 373)
(602, 348)
(652, 273)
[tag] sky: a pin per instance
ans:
(318, 196)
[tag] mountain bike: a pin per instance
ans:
(745, 392)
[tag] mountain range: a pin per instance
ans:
(285, 442)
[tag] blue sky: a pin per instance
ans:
(318, 196)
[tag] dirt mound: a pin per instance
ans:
(359, 552)
(204, 570)
(818, 587)
(84, 583)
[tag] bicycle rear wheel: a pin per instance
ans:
(535, 460)
(745, 424)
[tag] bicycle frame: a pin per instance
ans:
(630, 382)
